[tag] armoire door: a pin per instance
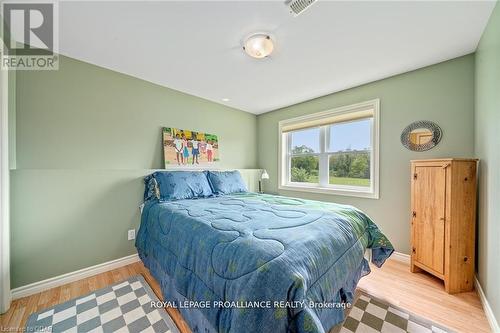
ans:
(429, 202)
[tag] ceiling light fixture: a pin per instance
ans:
(225, 99)
(258, 46)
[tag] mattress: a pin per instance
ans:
(258, 263)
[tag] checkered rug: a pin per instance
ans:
(122, 307)
(370, 315)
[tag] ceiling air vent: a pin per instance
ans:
(297, 7)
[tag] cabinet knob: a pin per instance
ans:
(466, 259)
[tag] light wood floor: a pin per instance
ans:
(419, 293)
(20, 309)
(423, 294)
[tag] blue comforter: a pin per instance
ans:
(248, 247)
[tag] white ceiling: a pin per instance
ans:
(195, 47)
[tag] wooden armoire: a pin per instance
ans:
(443, 220)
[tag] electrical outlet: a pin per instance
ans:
(131, 234)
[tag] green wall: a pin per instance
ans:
(87, 117)
(442, 93)
(85, 136)
(487, 148)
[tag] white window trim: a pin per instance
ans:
(5, 294)
(353, 191)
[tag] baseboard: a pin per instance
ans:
(488, 311)
(56, 281)
(402, 257)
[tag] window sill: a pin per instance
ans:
(352, 192)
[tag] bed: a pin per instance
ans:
(235, 256)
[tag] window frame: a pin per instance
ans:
(323, 186)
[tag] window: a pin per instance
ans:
(335, 151)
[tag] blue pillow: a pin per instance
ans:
(150, 188)
(226, 182)
(176, 185)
